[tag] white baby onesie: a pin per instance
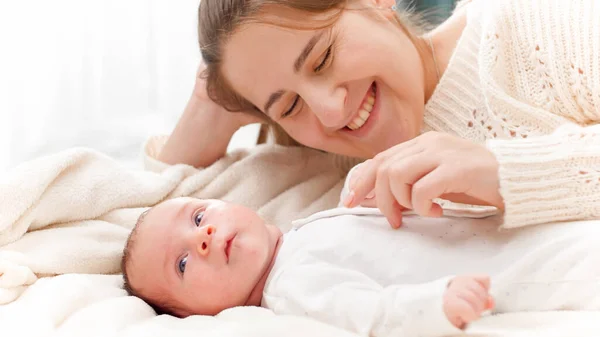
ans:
(348, 268)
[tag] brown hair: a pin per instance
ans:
(219, 19)
(159, 308)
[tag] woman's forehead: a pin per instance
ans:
(260, 59)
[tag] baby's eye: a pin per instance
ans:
(182, 264)
(198, 218)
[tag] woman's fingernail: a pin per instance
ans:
(371, 195)
(349, 199)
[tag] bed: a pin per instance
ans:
(66, 216)
(114, 73)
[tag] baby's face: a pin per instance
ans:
(202, 256)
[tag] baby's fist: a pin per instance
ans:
(466, 298)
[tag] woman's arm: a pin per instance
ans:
(204, 130)
(553, 177)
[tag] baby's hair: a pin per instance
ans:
(158, 307)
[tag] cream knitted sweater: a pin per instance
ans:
(525, 79)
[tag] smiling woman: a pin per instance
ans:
(454, 113)
(325, 64)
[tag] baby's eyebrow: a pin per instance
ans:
(181, 211)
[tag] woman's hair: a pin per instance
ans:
(219, 19)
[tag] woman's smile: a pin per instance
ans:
(365, 118)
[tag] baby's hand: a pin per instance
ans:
(466, 298)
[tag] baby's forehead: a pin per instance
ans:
(154, 226)
(161, 213)
(148, 253)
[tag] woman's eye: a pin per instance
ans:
(198, 218)
(291, 109)
(182, 264)
(323, 63)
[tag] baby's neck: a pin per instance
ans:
(255, 298)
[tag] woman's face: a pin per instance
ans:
(355, 88)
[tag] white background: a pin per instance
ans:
(104, 74)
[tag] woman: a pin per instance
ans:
(497, 106)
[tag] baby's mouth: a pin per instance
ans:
(228, 248)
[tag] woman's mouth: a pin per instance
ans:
(364, 112)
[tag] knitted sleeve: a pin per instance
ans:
(550, 178)
(553, 70)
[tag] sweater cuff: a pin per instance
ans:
(550, 178)
(430, 319)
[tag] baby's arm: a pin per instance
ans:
(351, 300)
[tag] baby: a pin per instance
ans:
(346, 267)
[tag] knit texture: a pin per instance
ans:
(525, 80)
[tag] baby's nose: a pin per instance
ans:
(204, 239)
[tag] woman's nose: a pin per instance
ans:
(330, 108)
(204, 237)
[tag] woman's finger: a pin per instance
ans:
(362, 183)
(355, 172)
(464, 199)
(385, 198)
(404, 167)
(369, 202)
(407, 172)
(365, 181)
(353, 176)
(431, 186)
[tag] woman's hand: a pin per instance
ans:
(369, 200)
(434, 165)
(237, 119)
(204, 129)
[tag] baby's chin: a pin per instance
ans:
(255, 296)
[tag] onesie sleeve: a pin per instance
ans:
(350, 300)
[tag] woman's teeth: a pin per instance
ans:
(364, 112)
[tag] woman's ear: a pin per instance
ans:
(388, 7)
(387, 4)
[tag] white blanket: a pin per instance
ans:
(64, 219)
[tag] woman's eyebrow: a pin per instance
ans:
(300, 60)
(272, 100)
(307, 49)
